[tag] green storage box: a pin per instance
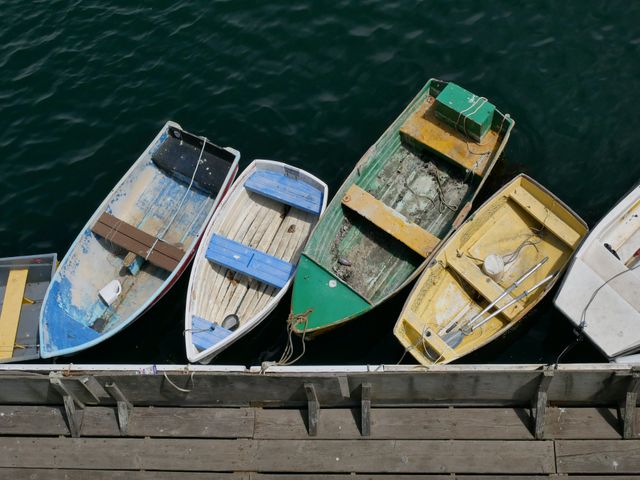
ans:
(465, 111)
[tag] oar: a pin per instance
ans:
(513, 286)
(454, 339)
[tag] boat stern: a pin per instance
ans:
(321, 300)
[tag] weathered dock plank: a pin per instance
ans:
(69, 474)
(405, 456)
(144, 422)
(331, 456)
(598, 456)
(357, 476)
(582, 423)
(400, 423)
(128, 454)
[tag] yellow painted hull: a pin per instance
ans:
(522, 224)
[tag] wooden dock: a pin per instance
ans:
(377, 422)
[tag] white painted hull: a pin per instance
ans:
(601, 293)
(214, 291)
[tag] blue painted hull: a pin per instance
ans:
(74, 317)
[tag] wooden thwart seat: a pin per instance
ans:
(544, 215)
(482, 283)
(249, 261)
(392, 222)
(287, 190)
(423, 130)
(10, 314)
(434, 341)
(125, 235)
(204, 334)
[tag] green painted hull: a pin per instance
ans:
(349, 266)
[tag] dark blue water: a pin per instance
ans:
(85, 86)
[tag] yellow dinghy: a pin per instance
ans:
(490, 273)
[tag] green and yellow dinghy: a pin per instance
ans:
(403, 198)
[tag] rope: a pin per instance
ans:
(184, 197)
(180, 389)
(579, 330)
(443, 201)
(415, 344)
(287, 354)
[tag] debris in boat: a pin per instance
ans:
(343, 261)
(291, 229)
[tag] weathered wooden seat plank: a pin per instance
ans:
(423, 130)
(10, 311)
(122, 234)
(389, 220)
(550, 220)
(484, 285)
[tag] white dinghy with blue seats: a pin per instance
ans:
(137, 243)
(249, 254)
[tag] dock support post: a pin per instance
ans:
(541, 401)
(125, 408)
(74, 408)
(630, 401)
(313, 407)
(365, 423)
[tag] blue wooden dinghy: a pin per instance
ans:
(23, 284)
(249, 254)
(137, 243)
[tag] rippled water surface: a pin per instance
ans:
(84, 87)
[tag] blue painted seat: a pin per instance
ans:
(249, 261)
(287, 190)
(206, 334)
